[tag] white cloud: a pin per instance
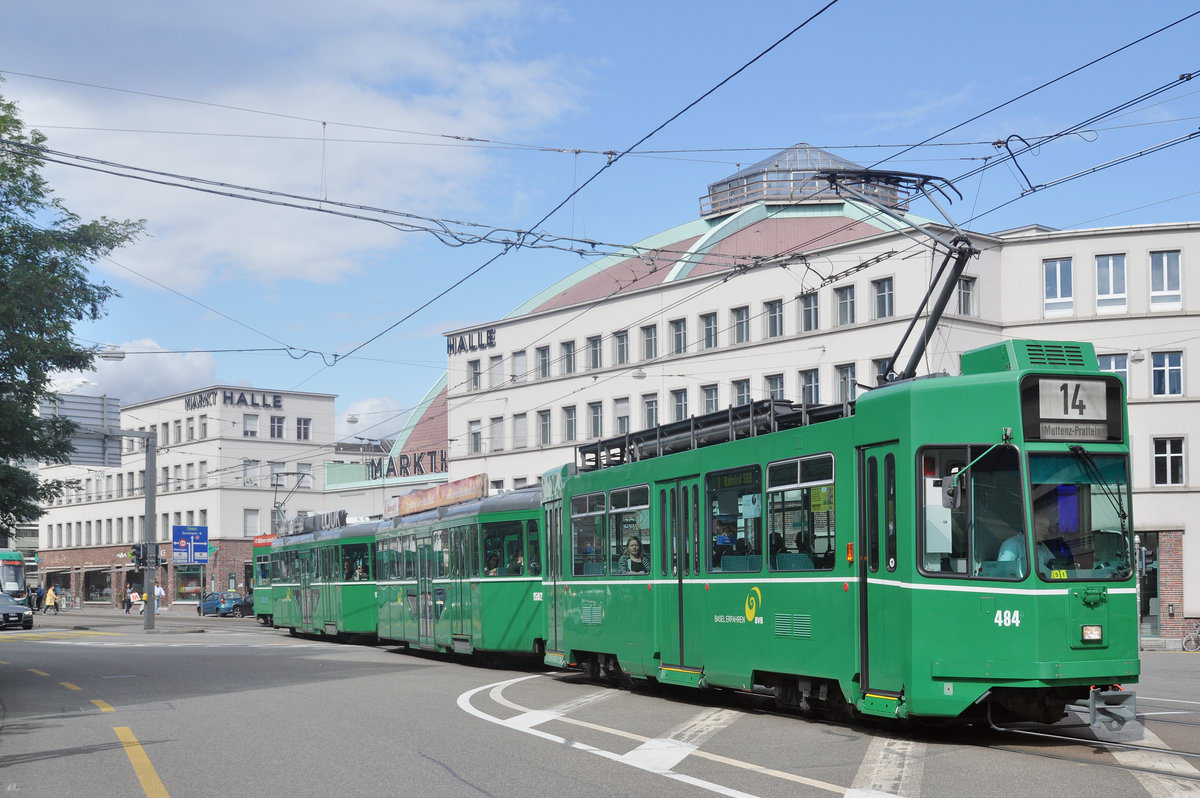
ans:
(147, 372)
(378, 417)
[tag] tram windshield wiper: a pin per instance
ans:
(1111, 492)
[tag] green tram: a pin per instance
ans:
(945, 547)
(263, 608)
(12, 574)
(321, 579)
(464, 578)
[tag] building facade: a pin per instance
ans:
(228, 459)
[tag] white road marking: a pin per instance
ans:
(697, 728)
(1156, 785)
(891, 766)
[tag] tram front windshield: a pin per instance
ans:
(1081, 527)
(12, 578)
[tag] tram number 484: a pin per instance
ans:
(1008, 618)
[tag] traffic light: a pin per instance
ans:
(138, 553)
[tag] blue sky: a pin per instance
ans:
(492, 112)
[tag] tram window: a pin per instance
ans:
(587, 535)
(441, 554)
(889, 511)
(1077, 527)
(872, 514)
(629, 521)
(262, 569)
(356, 562)
(734, 510)
(800, 524)
(984, 536)
(504, 548)
(533, 548)
(327, 564)
(410, 557)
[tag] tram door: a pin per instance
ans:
(462, 542)
(306, 567)
(678, 557)
(553, 574)
(425, 556)
(884, 625)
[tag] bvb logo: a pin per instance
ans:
(753, 598)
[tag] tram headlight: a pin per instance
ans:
(1092, 633)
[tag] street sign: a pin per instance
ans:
(189, 545)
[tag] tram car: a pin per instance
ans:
(263, 607)
(321, 581)
(464, 578)
(944, 548)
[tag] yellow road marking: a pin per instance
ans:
(70, 686)
(104, 705)
(151, 784)
(36, 672)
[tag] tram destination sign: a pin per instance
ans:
(1070, 408)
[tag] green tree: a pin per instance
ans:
(45, 251)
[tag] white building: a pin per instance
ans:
(227, 458)
(706, 315)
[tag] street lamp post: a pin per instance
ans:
(150, 441)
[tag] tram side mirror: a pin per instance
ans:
(951, 493)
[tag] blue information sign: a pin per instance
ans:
(189, 545)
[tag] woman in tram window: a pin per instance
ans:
(634, 560)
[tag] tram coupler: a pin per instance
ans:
(1110, 709)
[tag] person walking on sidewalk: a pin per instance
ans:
(51, 600)
(159, 595)
(128, 598)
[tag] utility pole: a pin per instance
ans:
(150, 566)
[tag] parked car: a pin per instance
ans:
(218, 603)
(15, 613)
(244, 608)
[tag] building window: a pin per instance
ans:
(741, 392)
(568, 424)
(473, 374)
(650, 411)
(621, 414)
(474, 437)
(1059, 296)
(495, 371)
(277, 480)
(249, 472)
(191, 429)
(543, 427)
(965, 296)
(847, 383)
(203, 476)
(708, 330)
(1168, 461)
(518, 366)
(249, 522)
(774, 385)
(1117, 364)
(303, 429)
(543, 362)
(810, 387)
(496, 434)
(520, 430)
(1110, 283)
(773, 318)
(845, 305)
(203, 428)
(178, 431)
(594, 360)
(568, 357)
(276, 427)
(1165, 292)
(304, 476)
(621, 347)
(249, 426)
(596, 419)
(710, 398)
(1167, 373)
(880, 369)
(679, 406)
(649, 342)
(808, 312)
(678, 336)
(884, 298)
(191, 475)
(740, 318)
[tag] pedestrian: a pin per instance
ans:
(128, 598)
(39, 600)
(159, 594)
(51, 601)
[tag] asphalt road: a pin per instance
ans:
(94, 705)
